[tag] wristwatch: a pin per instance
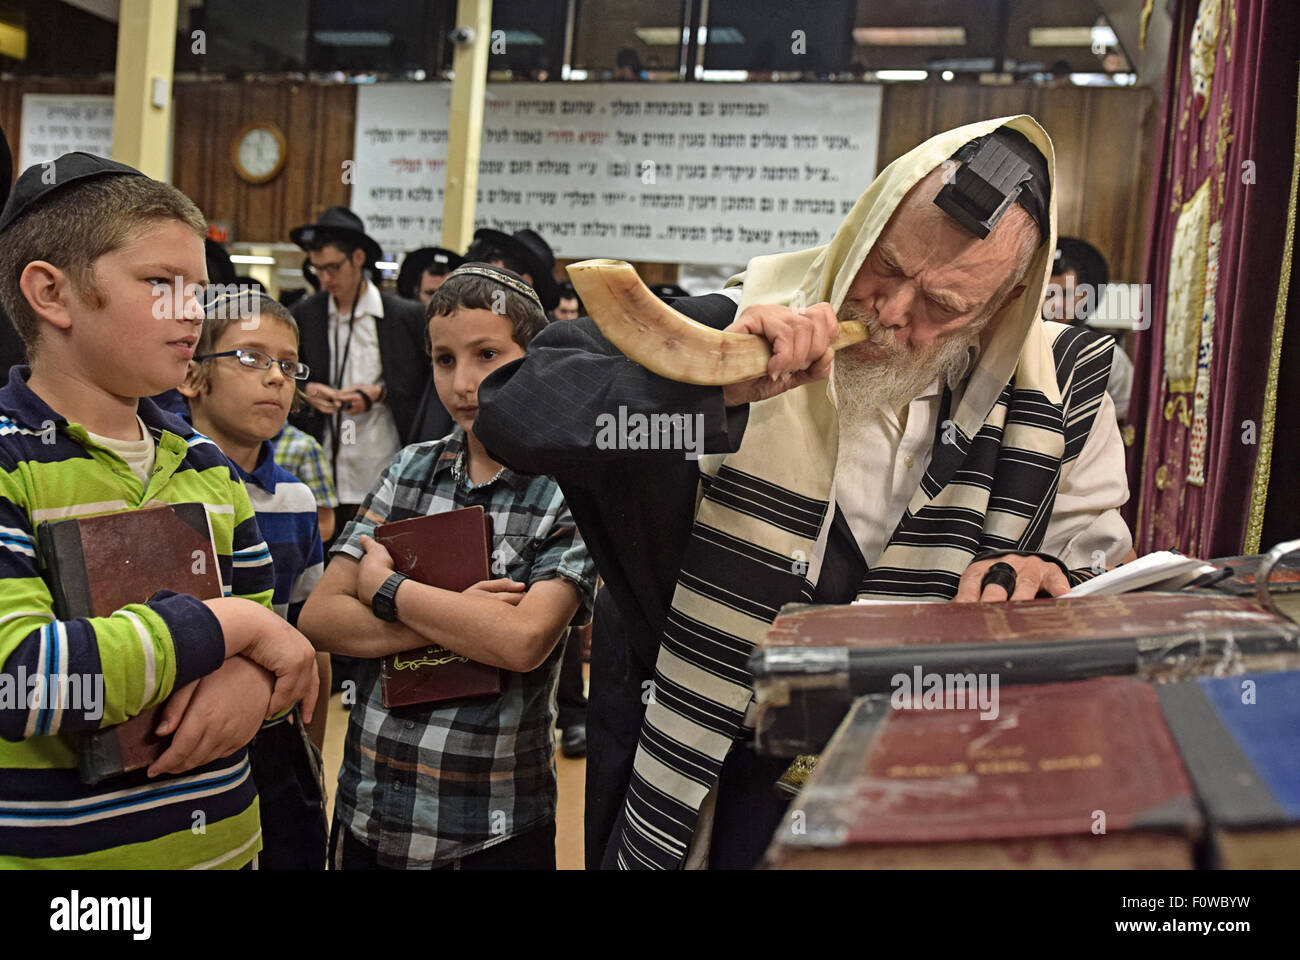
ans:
(384, 603)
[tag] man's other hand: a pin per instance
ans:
(1032, 575)
(801, 352)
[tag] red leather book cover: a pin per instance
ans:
(1082, 762)
(96, 566)
(449, 550)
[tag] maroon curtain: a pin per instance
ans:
(1227, 155)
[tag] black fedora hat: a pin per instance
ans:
(339, 222)
(668, 291)
(417, 261)
(530, 250)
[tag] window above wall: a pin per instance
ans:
(985, 41)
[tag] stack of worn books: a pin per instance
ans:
(1111, 772)
(1142, 729)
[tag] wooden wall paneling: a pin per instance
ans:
(317, 122)
(1099, 135)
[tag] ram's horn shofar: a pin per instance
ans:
(664, 341)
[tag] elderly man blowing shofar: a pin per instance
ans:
(951, 430)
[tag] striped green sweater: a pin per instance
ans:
(205, 817)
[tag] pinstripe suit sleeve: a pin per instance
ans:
(541, 414)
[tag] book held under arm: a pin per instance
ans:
(448, 550)
(95, 566)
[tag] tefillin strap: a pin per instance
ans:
(996, 171)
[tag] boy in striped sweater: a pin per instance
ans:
(241, 387)
(98, 265)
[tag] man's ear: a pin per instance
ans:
(190, 388)
(528, 278)
(358, 258)
(48, 291)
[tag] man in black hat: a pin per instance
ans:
(366, 353)
(526, 253)
(423, 271)
(570, 306)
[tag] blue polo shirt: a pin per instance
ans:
(286, 515)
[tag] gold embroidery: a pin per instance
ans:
(1186, 291)
(1179, 403)
(1204, 47)
(1221, 146)
(1162, 474)
(1263, 462)
(1129, 434)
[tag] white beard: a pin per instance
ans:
(864, 386)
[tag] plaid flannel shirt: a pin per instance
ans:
(428, 783)
(301, 455)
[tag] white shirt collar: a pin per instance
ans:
(369, 304)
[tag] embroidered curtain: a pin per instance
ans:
(1204, 408)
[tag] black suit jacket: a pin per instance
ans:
(402, 358)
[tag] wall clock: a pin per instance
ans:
(258, 152)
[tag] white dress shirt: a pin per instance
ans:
(878, 472)
(365, 449)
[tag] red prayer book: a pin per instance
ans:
(1080, 774)
(96, 566)
(449, 550)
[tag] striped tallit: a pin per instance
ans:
(1025, 412)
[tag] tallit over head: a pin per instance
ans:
(1013, 337)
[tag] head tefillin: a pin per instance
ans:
(995, 171)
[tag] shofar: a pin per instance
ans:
(666, 342)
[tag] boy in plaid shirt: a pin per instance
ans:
(465, 784)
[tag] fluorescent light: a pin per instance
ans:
(948, 74)
(1072, 36)
(524, 38)
(677, 36)
(661, 36)
(245, 258)
(909, 36)
(354, 38)
(902, 74)
(716, 35)
(731, 76)
(575, 74)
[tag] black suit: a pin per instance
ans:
(401, 353)
(635, 511)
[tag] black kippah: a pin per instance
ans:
(996, 170)
(41, 179)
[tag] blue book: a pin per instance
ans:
(1240, 741)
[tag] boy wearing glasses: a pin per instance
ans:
(241, 385)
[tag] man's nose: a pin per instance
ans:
(894, 306)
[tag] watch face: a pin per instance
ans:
(259, 152)
(383, 606)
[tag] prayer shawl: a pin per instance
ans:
(1026, 411)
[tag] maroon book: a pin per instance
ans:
(98, 565)
(448, 550)
(1080, 774)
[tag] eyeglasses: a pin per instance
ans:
(327, 269)
(255, 360)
